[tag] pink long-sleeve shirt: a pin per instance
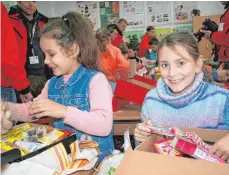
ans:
(100, 115)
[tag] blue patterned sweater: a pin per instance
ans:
(203, 105)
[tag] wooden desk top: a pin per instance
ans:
(129, 112)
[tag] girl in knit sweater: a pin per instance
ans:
(181, 97)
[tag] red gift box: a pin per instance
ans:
(133, 90)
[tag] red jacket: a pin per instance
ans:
(144, 45)
(12, 69)
(221, 38)
(118, 40)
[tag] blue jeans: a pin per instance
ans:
(8, 94)
(113, 85)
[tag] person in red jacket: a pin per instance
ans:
(144, 45)
(13, 74)
(28, 22)
(221, 37)
(122, 24)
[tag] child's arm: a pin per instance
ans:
(98, 121)
(122, 63)
(20, 112)
(221, 147)
(141, 132)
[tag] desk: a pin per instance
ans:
(129, 115)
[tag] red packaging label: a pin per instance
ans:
(164, 147)
(194, 150)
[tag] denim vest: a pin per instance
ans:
(75, 92)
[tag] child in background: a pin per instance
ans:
(133, 55)
(124, 50)
(151, 54)
(113, 28)
(144, 45)
(111, 58)
(182, 98)
(73, 97)
(221, 74)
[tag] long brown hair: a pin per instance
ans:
(72, 29)
(102, 35)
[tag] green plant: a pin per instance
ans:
(195, 12)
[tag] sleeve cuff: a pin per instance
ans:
(25, 91)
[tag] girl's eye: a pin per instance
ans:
(181, 63)
(164, 65)
(51, 54)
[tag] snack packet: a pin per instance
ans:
(164, 147)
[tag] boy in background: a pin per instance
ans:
(151, 54)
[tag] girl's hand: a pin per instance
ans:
(6, 123)
(221, 148)
(46, 107)
(141, 132)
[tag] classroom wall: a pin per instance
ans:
(58, 8)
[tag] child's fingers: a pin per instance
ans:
(140, 138)
(225, 156)
(142, 127)
(214, 148)
(42, 114)
(219, 153)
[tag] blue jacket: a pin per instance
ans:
(75, 92)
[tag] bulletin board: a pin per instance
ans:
(109, 13)
(182, 11)
(89, 10)
(159, 13)
(134, 13)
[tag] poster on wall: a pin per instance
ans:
(109, 13)
(162, 32)
(137, 33)
(89, 10)
(133, 12)
(188, 28)
(182, 11)
(159, 13)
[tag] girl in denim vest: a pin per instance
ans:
(79, 97)
(181, 97)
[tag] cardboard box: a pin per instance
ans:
(142, 161)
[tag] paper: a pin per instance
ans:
(29, 168)
(159, 13)
(188, 28)
(182, 11)
(89, 10)
(133, 12)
